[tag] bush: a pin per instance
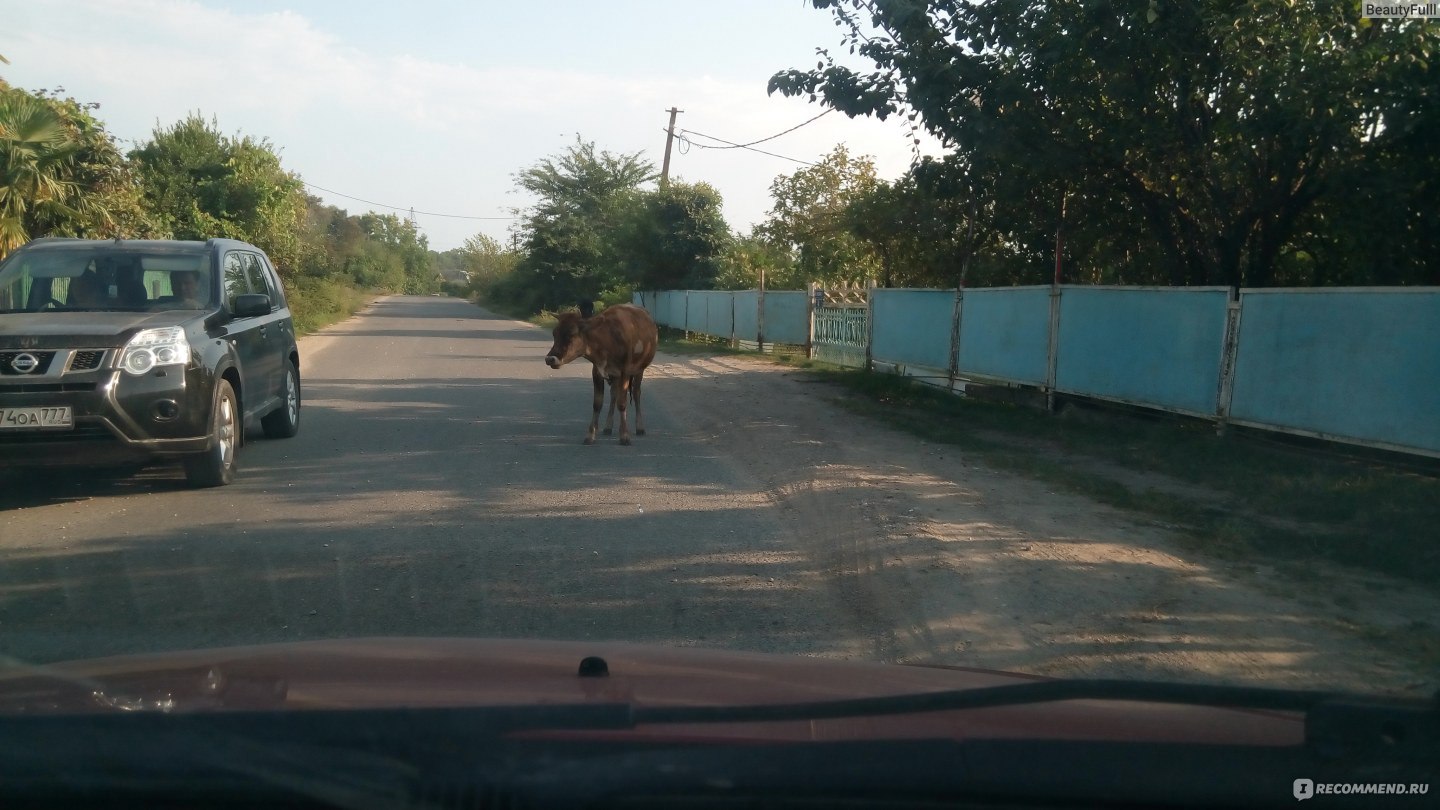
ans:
(318, 302)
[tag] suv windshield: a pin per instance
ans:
(97, 278)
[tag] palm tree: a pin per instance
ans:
(36, 152)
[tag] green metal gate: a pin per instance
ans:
(841, 334)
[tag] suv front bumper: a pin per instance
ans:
(116, 416)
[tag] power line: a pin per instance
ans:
(396, 207)
(685, 133)
(763, 140)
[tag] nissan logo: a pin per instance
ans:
(25, 363)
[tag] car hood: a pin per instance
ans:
(434, 673)
(91, 330)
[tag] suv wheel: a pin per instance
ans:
(284, 422)
(216, 467)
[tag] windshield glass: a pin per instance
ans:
(101, 278)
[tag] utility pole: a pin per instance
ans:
(669, 139)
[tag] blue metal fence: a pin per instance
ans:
(1354, 365)
(787, 317)
(1351, 364)
(912, 327)
(747, 314)
(1159, 347)
(1005, 334)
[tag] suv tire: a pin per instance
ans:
(216, 467)
(284, 422)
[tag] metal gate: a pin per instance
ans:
(841, 334)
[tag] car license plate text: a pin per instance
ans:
(21, 418)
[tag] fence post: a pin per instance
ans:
(1229, 350)
(760, 315)
(955, 336)
(869, 321)
(734, 342)
(687, 314)
(810, 288)
(1054, 351)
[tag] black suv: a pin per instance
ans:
(113, 352)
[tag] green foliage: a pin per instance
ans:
(671, 239)
(746, 258)
(485, 263)
(203, 184)
(569, 232)
(1195, 143)
(317, 302)
(810, 220)
(921, 228)
(484, 259)
(61, 173)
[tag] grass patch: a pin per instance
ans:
(1241, 496)
(315, 303)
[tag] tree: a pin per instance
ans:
(1207, 130)
(809, 219)
(402, 253)
(747, 257)
(923, 228)
(35, 152)
(61, 173)
(202, 184)
(483, 258)
(672, 238)
(568, 232)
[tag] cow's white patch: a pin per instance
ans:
(639, 347)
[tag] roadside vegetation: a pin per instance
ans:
(62, 174)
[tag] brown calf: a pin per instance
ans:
(619, 343)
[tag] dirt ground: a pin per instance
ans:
(936, 558)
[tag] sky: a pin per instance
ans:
(436, 106)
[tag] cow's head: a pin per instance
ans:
(569, 340)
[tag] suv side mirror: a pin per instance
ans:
(251, 304)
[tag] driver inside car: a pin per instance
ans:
(86, 292)
(186, 287)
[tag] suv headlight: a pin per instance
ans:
(155, 347)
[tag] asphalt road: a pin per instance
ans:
(438, 487)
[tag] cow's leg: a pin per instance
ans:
(598, 381)
(620, 392)
(635, 395)
(610, 417)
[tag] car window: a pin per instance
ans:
(235, 277)
(255, 274)
(272, 283)
(99, 276)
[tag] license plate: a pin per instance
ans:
(22, 418)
